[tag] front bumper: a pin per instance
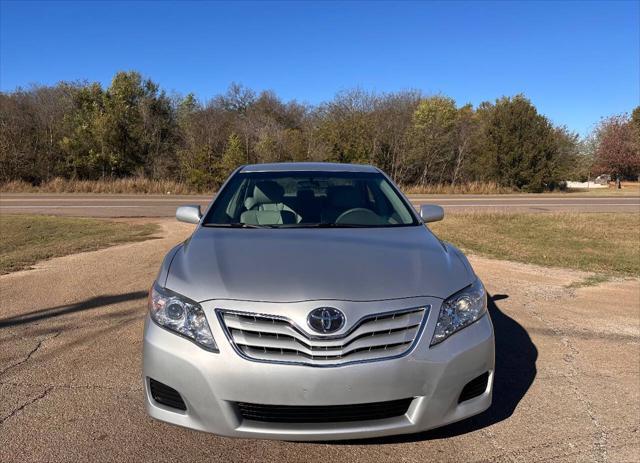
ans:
(212, 383)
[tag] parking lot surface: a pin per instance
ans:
(567, 377)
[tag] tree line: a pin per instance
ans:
(134, 128)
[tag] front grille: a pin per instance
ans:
(474, 388)
(165, 395)
(276, 339)
(323, 414)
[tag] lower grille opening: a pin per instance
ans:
(475, 387)
(165, 395)
(323, 414)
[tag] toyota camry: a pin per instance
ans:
(312, 302)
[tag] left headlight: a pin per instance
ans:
(181, 315)
(460, 310)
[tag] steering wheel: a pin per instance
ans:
(359, 216)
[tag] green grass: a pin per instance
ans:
(603, 243)
(27, 239)
(591, 280)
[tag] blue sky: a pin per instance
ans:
(577, 61)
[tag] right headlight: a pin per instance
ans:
(180, 315)
(460, 310)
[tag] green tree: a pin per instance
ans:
(121, 129)
(567, 162)
(635, 117)
(82, 147)
(520, 146)
(433, 136)
(81, 130)
(232, 157)
(345, 128)
(198, 169)
(635, 125)
(467, 141)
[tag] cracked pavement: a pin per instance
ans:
(567, 379)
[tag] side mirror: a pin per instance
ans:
(189, 214)
(431, 213)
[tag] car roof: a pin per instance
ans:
(308, 167)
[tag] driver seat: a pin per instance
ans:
(341, 198)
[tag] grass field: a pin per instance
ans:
(27, 239)
(603, 243)
(608, 244)
(135, 185)
(131, 185)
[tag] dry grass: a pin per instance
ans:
(478, 188)
(606, 243)
(145, 186)
(139, 185)
(115, 186)
(27, 239)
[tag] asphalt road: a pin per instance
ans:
(567, 386)
(165, 206)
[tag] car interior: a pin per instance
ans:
(289, 202)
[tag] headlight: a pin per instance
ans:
(181, 315)
(460, 310)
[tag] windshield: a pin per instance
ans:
(309, 199)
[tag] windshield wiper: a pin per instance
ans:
(292, 225)
(236, 225)
(326, 225)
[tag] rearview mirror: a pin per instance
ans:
(431, 213)
(189, 214)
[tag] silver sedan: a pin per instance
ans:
(313, 303)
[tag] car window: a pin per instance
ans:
(309, 199)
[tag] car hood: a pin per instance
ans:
(287, 265)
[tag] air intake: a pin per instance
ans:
(323, 414)
(165, 395)
(474, 388)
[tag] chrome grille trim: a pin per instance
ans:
(276, 339)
